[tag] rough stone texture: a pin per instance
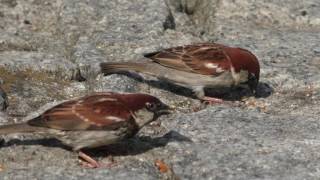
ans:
(49, 51)
(3, 99)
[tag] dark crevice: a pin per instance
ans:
(169, 22)
(184, 7)
(3, 100)
(201, 14)
(77, 76)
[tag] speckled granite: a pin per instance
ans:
(50, 51)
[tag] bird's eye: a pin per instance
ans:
(151, 106)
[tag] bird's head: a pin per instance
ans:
(145, 108)
(244, 60)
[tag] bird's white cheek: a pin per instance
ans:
(143, 116)
(239, 77)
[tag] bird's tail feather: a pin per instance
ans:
(111, 68)
(17, 128)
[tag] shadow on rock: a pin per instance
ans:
(229, 94)
(133, 146)
(137, 145)
(264, 90)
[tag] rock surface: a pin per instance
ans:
(3, 99)
(49, 51)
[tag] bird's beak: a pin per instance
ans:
(165, 109)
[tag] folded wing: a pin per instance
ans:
(206, 59)
(100, 111)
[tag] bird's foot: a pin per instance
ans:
(212, 100)
(88, 162)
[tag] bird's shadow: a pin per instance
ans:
(230, 94)
(132, 146)
(138, 145)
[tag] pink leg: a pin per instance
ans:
(212, 100)
(91, 163)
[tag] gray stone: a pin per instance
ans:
(50, 51)
(316, 50)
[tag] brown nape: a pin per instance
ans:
(245, 60)
(138, 101)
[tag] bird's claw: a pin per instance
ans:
(212, 100)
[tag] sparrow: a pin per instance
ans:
(94, 120)
(196, 66)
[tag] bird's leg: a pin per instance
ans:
(89, 161)
(199, 92)
(212, 100)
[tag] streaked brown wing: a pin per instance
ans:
(207, 59)
(99, 111)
